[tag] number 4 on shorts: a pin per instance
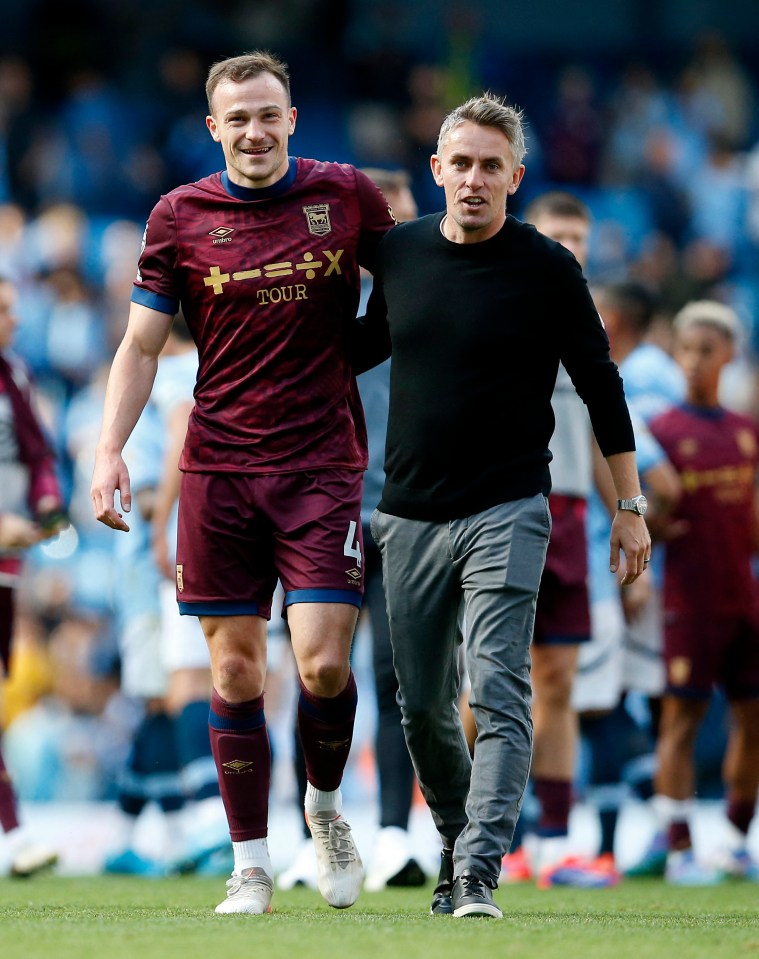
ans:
(352, 546)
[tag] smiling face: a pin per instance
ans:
(476, 169)
(253, 121)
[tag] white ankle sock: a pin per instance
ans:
(252, 853)
(320, 800)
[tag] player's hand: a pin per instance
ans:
(629, 534)
(110, 474)
(16, 532)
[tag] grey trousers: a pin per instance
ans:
(479, 576)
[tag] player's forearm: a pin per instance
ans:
(129, 384)
(624, 474)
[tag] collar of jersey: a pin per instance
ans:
(705, 412)
(264, 192)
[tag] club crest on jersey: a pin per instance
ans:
(317, 218)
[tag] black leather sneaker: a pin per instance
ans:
(471, 896)
(441, 897)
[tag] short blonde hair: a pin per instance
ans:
(709, 313)
(488, 111)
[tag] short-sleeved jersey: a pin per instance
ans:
(268, 281)
(715, 452)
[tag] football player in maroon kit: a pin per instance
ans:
(711, 624)
(263, 259)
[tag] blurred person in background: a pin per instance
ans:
(276, 437)
(711, 597)
(31, 509)
(653, 382)
(562, 616)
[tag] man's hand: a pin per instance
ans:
(110, 474)
(629, 534)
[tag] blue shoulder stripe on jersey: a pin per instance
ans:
(264, 192)
(346, 596)
(155, 301)
(219, 607)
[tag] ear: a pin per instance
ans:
(212, 128)
(516, 179)
(437, 169)
(291, 121)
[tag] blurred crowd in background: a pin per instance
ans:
(99, 115)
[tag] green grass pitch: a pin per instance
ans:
(110, 918)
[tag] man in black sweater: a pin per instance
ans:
(479, 309)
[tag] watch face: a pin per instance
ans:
(641, 504)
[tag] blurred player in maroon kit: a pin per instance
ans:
(711, 632)
(30, 511)
(264, 260)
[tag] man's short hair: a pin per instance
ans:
(488, 111)
(245, 67)
(635, 302)
(708, 313)
(557, 203)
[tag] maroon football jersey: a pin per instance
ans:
(715, 453)
(268, 281)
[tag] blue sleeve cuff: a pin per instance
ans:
(155, 301)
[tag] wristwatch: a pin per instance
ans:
(638, 504)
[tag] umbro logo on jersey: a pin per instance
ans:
(354, 573)
(222, 234)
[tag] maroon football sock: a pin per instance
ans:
(326, 731)
(8, 809)
(240, 746)
(555, 796)
(740, 812)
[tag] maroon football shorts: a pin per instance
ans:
(703, 651)
(238, 534)
(563, 610)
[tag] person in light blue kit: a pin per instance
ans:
(151, 774)
(607, 668)
(653, 383)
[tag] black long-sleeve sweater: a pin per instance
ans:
(477, 332)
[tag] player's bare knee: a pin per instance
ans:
(238, 678)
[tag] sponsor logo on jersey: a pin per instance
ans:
(355, 574)
(236, 766)
(222, 234)
(309, 268)
(317, 218)
(180, 578)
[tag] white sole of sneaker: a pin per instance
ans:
(478, 909)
